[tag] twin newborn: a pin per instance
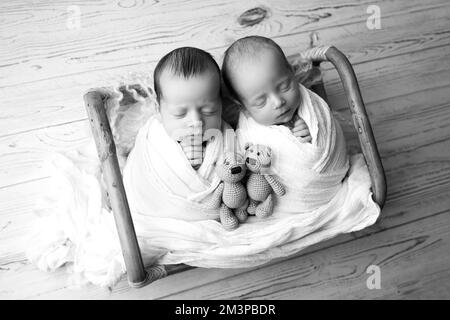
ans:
(187, 83)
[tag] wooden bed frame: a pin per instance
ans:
(137, 275)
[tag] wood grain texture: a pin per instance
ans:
(403, 72)
(111, 35)
(332, 269)
(408, 256)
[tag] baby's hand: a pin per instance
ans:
(301, 131)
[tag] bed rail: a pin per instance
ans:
(359, 115)
(106, 149)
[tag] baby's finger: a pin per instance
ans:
(299, 121)
(305, 139)
(300, 127)
(302, 133)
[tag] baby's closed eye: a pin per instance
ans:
(179, 114)
(285, 85)
(209, 111)
(260, 102)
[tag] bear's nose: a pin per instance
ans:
(236, 170)
(247, 160)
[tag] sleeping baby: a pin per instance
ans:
(171, 172)
(261, 79)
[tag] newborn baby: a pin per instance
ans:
(171, 170)
(261, 79)
(187, 87)
(259, 76)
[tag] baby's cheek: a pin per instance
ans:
(295, 97)
(214, 122)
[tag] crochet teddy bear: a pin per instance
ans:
(233, 209)
(260, 184)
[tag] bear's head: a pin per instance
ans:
(257, 157)
(232, 168)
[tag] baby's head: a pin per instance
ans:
(259, 76)
(187, 87)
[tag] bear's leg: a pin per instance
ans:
(227, 218)
(241, 213)
(252, 207)
(264, 209)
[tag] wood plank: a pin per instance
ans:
(59, 100)
(23, 155)
(321, 271)
(396, 76)
(144, 32)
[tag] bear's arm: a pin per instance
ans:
(215, 200)
(276, 186)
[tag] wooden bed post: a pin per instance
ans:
(106, 148)
(361, 123)
(360, 120)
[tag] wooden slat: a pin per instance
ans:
(331, 269)
(22, 156)
(395, 76)
(51, 101)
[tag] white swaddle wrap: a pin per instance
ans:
(311, 172)
(172, 224)
(159, 180)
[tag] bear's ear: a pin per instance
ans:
(247, 145)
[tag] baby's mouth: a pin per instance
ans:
(284, 113)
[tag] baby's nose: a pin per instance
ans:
(277, 101)
(194, 117)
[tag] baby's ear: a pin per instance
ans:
(247, 145)
(269, 152)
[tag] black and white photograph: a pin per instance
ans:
(242, 152)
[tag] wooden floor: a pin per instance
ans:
(404, 73)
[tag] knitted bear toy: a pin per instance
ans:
(233, 209)
(260, 184)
